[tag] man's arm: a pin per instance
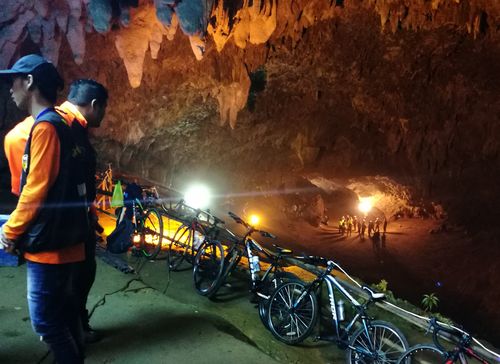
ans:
(44, 168)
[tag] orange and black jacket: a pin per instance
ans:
(50, 155)
(14, 144)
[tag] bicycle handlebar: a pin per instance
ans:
(197, 212)
(266, 234)
(239, 220)
(313, 259)
(436, 327)
(210, 215)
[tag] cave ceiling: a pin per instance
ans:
(407, 88)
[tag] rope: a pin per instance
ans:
(427, 319)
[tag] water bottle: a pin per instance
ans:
(197, 240)
(340, 310)
(254, 264)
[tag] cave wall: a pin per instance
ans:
(404, 89)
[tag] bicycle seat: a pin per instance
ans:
(282, 251)
(375, 296)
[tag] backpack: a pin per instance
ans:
(120, 239)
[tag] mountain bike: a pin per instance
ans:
(190, 235)
(211, 270)
(437, 353)
(148, 229)
(293, 312)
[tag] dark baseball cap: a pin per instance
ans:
(24, 65)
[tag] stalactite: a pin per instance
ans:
(46, 22)
(144, 31)
(100, 12)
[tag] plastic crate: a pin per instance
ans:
(7, 260)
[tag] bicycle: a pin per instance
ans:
(293, 312)
(211, 271)
(148, 229)
(190, 235)
(437, 353)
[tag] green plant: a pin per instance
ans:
(429, 302)
(382, 286)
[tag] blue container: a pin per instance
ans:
(7, 260)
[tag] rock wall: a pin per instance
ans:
(407, 89)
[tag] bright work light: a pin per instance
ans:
(254, 220)
(197, 196)
(365, 204)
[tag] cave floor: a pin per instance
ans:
(155, 316)
(461, 272)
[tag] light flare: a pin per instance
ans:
(365, 204)
(254, 219)
(197, 196)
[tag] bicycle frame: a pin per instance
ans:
(332, 284)
(461, 352)
(249, 244)
(138, 213)
(249, 247)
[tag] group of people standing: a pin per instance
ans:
(349, 224)
(53, 226)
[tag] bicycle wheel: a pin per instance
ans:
(290, 320)
(268, 288)
(423, 354)
(385, 344)
(208, 267)
(151, 234)
(180, 244)
(231, 261)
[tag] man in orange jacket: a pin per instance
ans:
(49, 225)
(87, 101)
(85, 108)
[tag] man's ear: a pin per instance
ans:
(29, 82)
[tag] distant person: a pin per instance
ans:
(49, 223)
(385, 225)
(349, 225)
(342, 225)
(376, 229)
(363, 228)
(355, 223)
(370, 228)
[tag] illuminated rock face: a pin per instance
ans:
(401, 88)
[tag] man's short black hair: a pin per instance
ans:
(47, 80)
(83, 91)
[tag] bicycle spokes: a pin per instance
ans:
(382, 344)
(290, 318)
(208, 266)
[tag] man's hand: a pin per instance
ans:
(8, 245)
